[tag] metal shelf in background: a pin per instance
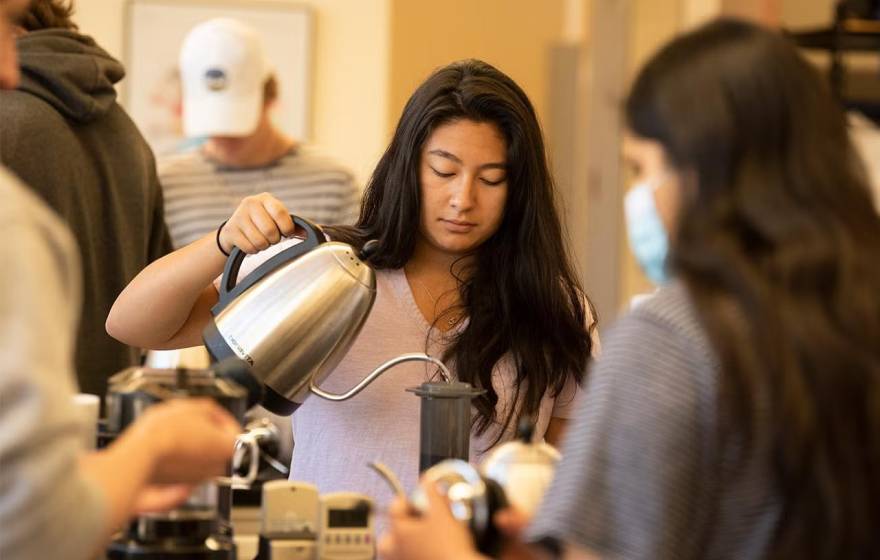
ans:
(847, 34)
(850, 35)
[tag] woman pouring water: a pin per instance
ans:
(471, 267)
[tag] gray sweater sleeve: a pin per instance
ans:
(632, 481)
(47, 509)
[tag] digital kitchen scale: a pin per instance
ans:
(347, 527)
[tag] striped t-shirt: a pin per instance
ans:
(644, 473)
(200, 193)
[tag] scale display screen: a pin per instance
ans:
(357, 517)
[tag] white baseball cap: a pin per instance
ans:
(223, 69)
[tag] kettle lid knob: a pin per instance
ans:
(525, 430)
(368, 250)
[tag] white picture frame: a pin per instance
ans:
(155, 30)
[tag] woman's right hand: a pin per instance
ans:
(258, 222)
(168, 304)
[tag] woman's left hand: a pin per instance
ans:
(434, 534)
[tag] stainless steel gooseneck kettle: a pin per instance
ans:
(296, 315)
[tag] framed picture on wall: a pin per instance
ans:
(155, 30)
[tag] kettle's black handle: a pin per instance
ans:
(229, 286)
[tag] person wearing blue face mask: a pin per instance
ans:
(647, 234)
(736, 413)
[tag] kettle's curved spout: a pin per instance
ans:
(403, 358)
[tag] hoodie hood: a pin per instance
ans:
(70, 72)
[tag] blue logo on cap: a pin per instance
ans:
(215, 79)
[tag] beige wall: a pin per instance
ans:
(513, 35)
(806, 13)
(349, 99)
(765, 11)
(351, 77)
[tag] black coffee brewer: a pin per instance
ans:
(200, 529)
(445, 421)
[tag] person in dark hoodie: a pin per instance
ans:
(66, 137)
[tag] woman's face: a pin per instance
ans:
(463, 172)
(648, 162)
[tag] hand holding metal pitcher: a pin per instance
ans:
(296, 315)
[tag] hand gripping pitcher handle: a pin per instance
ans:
(230, 288)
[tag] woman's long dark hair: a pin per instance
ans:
(522, 297)
(779, 245)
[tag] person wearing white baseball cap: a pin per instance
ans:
(223, 69)
(229, 89)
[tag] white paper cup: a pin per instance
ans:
(88, 407)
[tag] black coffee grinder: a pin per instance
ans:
(200, 529)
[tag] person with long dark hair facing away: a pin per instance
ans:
(472, 268)
(736, 413)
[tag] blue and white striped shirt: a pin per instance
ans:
(200, 194)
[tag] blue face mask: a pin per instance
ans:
(647, 236)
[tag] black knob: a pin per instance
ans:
(525, 430)
(238, 371)
(368, 250)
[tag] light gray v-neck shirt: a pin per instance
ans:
(334, 441)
